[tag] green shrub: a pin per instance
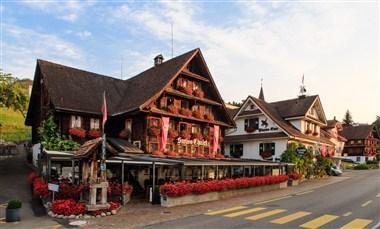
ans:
(14, 204)
(361, 167)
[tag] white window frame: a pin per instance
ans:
(94, 124)
(76, 121)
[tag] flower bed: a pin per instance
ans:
(67, 207)
(187, 193)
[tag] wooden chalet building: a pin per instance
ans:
(332, 132)
(181, 89)
(264, 129)
(362, 141)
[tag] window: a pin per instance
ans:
(359, 141)
(195, 128)
(236, 150)
(76, 121)
(152, 121)
(250, 125)
(267, 150)
(196, 85)
(184, 104)
(128, 124)
(208, 110)
(195, 107)
(94, 124)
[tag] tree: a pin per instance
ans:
(377, 127)
(12, 94)
(348, 118)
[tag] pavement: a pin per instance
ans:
(352, 203)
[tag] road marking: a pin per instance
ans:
(267, 201)
(225, 210)
(322, 220)
(291, 217)
(2, 220)
(378, 195)
(50, 227)
(265, 214)
(3, 205)
(366, 203)
(302, 193)
(347, 214)
(244, 212)
(357, 224)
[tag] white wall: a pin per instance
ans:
(298, 124)
(36, 149)
(251, 149)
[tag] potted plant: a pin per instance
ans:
(12, 212)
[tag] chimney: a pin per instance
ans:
(158, 60)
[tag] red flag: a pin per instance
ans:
(104, 110)
(164, 133)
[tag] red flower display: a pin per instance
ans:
(157, 153)
(33, 175)
(185, 112)
(40, 187)
(172, 154)
(172, 133)
(185, 134)
(199, 93)
(173, 109)
(198, 136)
(117, 189)
(95, 133)
(197, 114)
(185, 188)
(294, 176)
(78, 132)
(154, 131)
(67, 207)
(70, 191)
(209, 117)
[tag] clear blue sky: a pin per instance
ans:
(336, 45)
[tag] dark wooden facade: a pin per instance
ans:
(362, 140)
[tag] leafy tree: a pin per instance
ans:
(12, 94)
(348, 118)
(51, 139)
(377, 126)
(238, 104)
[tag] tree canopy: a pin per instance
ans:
(12, 93)
(348, 118)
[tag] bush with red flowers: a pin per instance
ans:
(78, 132)
(69, 191)
(40, 187)
(185, 188)
(117, 189)
(33, 175)
(94, 133)
(294, 176)
(67, 207)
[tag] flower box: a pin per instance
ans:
(154, 131)
(125, 133)
(199, 93)
(197, 136)
(78, 132)
(184, 193)
(197, 114)
(308, 131)
(185, 112)
(172, 109)
(172, 154)
(185, 90)
(157, 153)
(209, 117)
(250, 129)
(315, 134)
(95, 133)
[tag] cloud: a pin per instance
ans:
(21, 48)
(331, 43)
(64, 10)
(84, 34)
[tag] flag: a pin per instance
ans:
(164, 133)
(215, 140)
(104, 110)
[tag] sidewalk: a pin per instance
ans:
(141, 214)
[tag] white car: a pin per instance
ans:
(335, 171)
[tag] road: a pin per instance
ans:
(353, 203)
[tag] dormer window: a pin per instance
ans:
(250, 125)
(76, 121)
(94, 124)
(252, 107)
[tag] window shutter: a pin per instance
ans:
(261, 147)
(256, 124)
(245, 124)
(272, 147)
(231, 149)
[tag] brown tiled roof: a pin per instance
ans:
(250, 112)
(248, 137)
(331, 123)
(88, 147)
(69, 87)
(294, 107)
(356, 132)
(232, 112)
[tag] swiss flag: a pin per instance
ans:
(104, 110)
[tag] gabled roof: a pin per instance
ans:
(357, 132)
(294, 107)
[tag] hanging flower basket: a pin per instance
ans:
(315, 133)
(125, 133)
(266, 154)
(172, 133)
(250, 129)
(209, 117)
(154, 131)
(199, 93)
(197, 114)
(78, 132)
(94, 133)
(185, 134)
(185, 112)
(172, 109)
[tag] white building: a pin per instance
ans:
(264, 130)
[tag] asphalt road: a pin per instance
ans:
(354, 203)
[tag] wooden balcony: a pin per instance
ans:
(172, 91)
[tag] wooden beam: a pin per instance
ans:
(195, 76)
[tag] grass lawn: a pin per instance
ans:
(12, 126)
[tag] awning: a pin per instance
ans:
(123, 146)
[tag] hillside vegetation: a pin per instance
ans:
(12, 126)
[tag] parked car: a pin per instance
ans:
(335, 171)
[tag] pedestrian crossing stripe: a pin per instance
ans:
(225, 210)
(320, 221)
(2, 220)
(3, 205)
(366, 203)
(378, 195)
(357, 224)
(291, 217)
(244, 212)
(265, 214)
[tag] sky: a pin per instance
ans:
(334, 44)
